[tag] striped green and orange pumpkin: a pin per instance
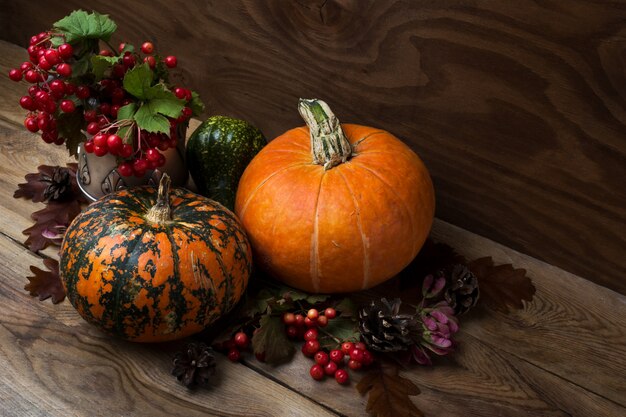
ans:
(153, 267)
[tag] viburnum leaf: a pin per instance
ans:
(149, 119)
(389, 394)
(82, 25)
(137, 81)
(340, 329)
(101, 63)
(70, 127)
(49, 222)
(502, 287)
(127, 112)
(272, 340)
(196, 105)
(46, 284)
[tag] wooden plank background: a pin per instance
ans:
(517, 107)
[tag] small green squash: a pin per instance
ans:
(218, 152)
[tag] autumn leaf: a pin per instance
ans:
(44, 184)
(389, 394)
(502, 287)
(271, 340)
(50, 223)
(46, 284)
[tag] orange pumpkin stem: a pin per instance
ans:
(329, 144)
(161, 212)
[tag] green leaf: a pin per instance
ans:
(138, 80)
(57, 41)
(102, 63)
(341, 328)
(150, 120)
(164, 101)
(346, 307)
(127, 112)
(196, 104)
(69, 126)
(317, 298)
(271, 340)
(82, 25)
(127, 48)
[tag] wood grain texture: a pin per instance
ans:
(518, 108)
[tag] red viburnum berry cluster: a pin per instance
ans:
(234, 346)
(327, 363)
(55, 93)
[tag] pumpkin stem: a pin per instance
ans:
(329, 144)
(160, 212)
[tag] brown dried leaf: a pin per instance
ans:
(502, 287)
(389, 393)
(37, 183)
(271, 340)
(48, 221)
(46, 284)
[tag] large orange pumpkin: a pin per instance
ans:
(335, 208)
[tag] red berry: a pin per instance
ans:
(114, 144)
(82, 92)
(52, 56)
(330, 368)
(121, 47)
(70, 89)
(42, 121)
(88, 146)
(48, 138)
(50, 106)
(341, 376)
(44, 64)
(129, 60)
(64, 70)
(310, 323)
(114, 109)
(89, 115)
(117, 95)
(118, 71)
(241, 340)
(58, 87)
(100, 140)
(356, 355)
(59, 141)
(106, 52)
(66, 51)
(321, 358)
(347, 347)
(27, 103)
(179, 92)
(360, 345)
(186, 112)
(93, 128)
(313, 314)
(105, 108)
(100, 150)
(147, 48)
(299, 320)
(288, 318)
(292, 332)
(170, 61)
(150, 60)
(126, 151)
(234, 355)
(15, 74)
(26, 66)
(125, 169)
(317, 372)
(354, 365)
(312, 346)
(368, 358)
(322, 321)
(336, 355)
(140, 165)
(161, 161)
(310, 334)
(31, 124)
(31, 76)
(330, 312)
(67, 106)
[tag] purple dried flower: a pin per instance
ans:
(432, 286)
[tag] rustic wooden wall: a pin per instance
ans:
(517, 106)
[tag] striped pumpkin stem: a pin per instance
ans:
(329, 144)
(161, 211)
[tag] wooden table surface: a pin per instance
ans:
(564, 354)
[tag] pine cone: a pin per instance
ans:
(194, 365)
(462, 291)
(58, 184)
(383, 329)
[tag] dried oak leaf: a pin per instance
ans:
(389, 393)
(46, 284)
(49, 223)
(502, 287)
